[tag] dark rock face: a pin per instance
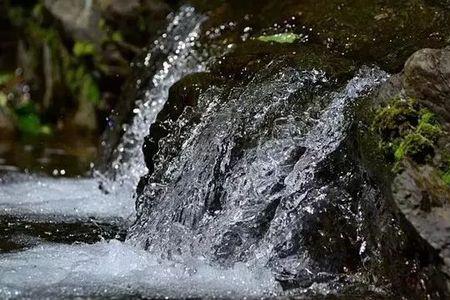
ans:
(424, 200)
(79, 18)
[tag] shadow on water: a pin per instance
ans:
(67, 154)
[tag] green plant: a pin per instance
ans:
(5, 78)
(29, 122)
(406, 130)
(416, 146)
(282, 38)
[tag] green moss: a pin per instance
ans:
(445, 167)
(428, 126)
(406, 130)
(397, 118)
(81, 49)
(431, 132)
(446, 177)
(415, 146)
(427, 117)
(282, 38)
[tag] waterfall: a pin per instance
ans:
(241, 181)
(183, 245)
(253, 181)
(178, 44)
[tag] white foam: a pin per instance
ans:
(63, 199)
(114, 268)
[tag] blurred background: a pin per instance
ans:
(63, 64)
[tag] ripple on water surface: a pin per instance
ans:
(114, 268)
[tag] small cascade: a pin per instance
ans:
(178, 47)
(173, 56)
(247, 180)
(253, 186)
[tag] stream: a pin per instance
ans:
(225, 184)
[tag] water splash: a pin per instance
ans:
(234, 202)
(249, 191)
(178, 43)
(114, 269)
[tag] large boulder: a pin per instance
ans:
(420, 177)
(424, 199)
(264, 168)
(258, 161)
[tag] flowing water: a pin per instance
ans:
(225, 215)
(181, 58)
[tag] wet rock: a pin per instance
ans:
(250, 169)
(134, 23)
(426, 76)
(20, 233)
(424, 199)
(418, 185)
(120, 7)
(129, 9)
(229, 163)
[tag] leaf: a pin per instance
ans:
(282, 38)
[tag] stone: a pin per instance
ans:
(5, 123)
(120, 7)
(427, 76)
(418, 187)
(423, 198)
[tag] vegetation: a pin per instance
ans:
(409, 131)
(73, 72)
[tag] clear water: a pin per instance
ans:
(252, 189)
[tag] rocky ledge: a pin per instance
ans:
(411, 125)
